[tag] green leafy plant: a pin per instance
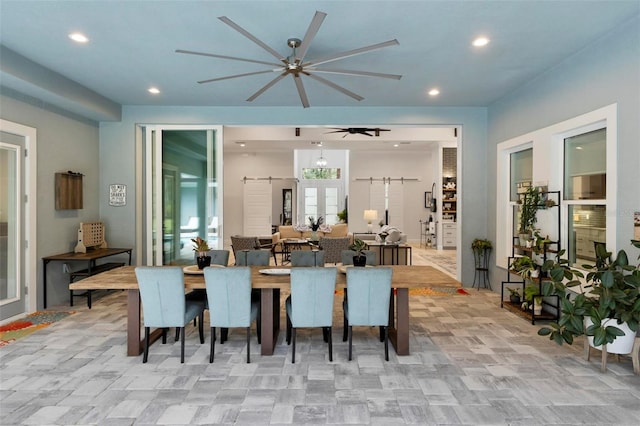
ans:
(200, 246)
(614, 295)
(480, 245)
(523, 265)
(529, 205)
(343, 216)
(358, 246)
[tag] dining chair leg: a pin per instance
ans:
(224, 335)
(350, 339)
(177, 334)
(201, 328)
(213, 344)
(164, 335)
(288, 330)
(330, 345)
(293, 349)
(382, 328)
(248, 345)
(345, 328)
(146, 345)
(325, 334)
(258, 325)
(386, 343)
(181, 345)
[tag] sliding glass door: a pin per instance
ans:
(183, 191)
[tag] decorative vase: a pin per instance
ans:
(515, 298)
(314, 235)
(359, 260)
(622, 344)
(203, 261)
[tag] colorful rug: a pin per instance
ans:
(23, 327)
(432, 291)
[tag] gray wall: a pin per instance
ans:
(605, 73)
(64, 142)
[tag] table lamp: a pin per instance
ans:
(370, 216)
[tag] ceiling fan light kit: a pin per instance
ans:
(294, 64)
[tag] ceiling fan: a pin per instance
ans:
(360, 131)
(294, 64)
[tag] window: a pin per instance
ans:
(585, 164)
(585, 183)
(521, 172)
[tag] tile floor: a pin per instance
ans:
(471, 363)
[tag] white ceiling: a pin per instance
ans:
(132, 47)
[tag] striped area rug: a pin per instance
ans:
(23, 327)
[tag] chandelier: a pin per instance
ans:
(321, 162)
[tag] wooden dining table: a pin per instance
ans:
(404, 277)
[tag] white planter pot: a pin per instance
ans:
(622, 344)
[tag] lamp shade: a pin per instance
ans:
(370, 215)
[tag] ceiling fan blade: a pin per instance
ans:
(301, 92)
(213, 55)
(251, 37)
(352, 72)
(353, 52)
(336, 87)
(266, 87)
(236, 76)
(314, 26)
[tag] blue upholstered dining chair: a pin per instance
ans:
(307, 258)
(311, 303)
(367, 301)
(347, 257)
(252, 257)
(333, 247)
(164, 303)
(218, 257)
(230, 305)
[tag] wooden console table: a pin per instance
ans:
(92, 268)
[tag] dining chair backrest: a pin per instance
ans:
(307, 258)
(239, 242)
(347, 257)
(368, 294)
(312, 294)
(252, 257)
(218, 257)
(162, 293)
(333, 247)
(229, 296)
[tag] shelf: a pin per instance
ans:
(449, 190)
(530, 249)
(517, 309)
(449, 211)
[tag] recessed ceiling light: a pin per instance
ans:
(154, 90)
(578, 147)
(78, 37)
(480, 41)
(395, 145)
(241, 143)
(434, 92)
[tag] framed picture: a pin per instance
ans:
(117, 195)
(427, 200)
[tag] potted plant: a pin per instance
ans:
(343, 216)
(201, 247)
(315, 225)
(524, 266)
(359, 246)
(609, 313)
(529, 204)
(480, 245)
(514, 295)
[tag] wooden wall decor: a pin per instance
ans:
(68, 190)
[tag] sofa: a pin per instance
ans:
(289, 232)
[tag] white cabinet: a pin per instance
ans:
(585, 238)
(449, 235)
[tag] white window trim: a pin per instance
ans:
(548, 166)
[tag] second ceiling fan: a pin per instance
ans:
(294, 64)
